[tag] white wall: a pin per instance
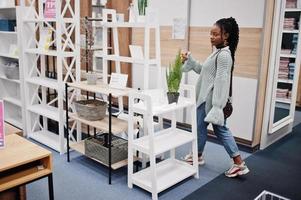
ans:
(138, 76)
(244, 104)
(169, 9)
(248, 13)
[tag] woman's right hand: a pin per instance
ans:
(184, 56)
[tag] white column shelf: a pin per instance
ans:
(64, 52)
(11, 88)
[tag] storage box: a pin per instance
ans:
(97, 147)
(11, 71)
(7, 25)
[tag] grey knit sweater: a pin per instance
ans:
(213, 83)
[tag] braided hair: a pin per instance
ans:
(230, 26)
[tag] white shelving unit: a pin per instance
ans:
(109, 124)
(160, 176)
(11, 89)
(286, 60)
(147, 62)
(110, 24)
(64, 55)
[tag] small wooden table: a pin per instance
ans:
(22, 162)
(19, 192)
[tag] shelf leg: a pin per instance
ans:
(87, 63)
(152, 158)
(50, 187)
(94, 128)
(160, 121)
(145, 132)
(67, 122)
(174, 126)
(130, 167)
(110, 137)
(154, 177)
(194, 142)
(154, 196)
(130, 144)
(137, 154)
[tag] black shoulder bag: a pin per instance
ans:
(228, 109)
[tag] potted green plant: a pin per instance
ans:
(142, 4)
(173, 79)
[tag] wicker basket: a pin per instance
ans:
(91, 109)
(97, 148)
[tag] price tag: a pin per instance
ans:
(118, 80)
(49, 11)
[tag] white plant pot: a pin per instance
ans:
(141, 19)
(91, 78)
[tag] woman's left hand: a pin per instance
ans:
(184, 56)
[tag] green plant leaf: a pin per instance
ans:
(174, 74)
(142, 4)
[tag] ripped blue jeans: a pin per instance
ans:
(222, 132)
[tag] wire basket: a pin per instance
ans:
(266, 195)
(91, 109)
(98, 148)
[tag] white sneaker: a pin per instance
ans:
(237, 170)
(188, 159)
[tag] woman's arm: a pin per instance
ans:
(220, 89)
(192, 64)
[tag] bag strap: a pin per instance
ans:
(230, 91)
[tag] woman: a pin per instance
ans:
(212, 91)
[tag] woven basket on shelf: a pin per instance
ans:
(97, 148)
(91, 109)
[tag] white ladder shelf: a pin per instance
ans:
(160, 176)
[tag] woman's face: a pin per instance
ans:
(216, 37)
